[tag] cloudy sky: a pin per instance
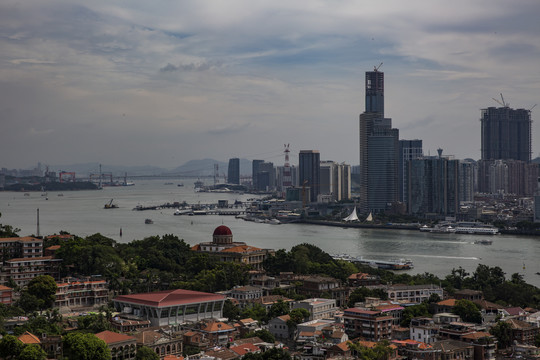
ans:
(163, 82)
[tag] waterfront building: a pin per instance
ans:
(433, 186)
(335, 181)
(468, 173)
(234, 171)
(506, 134)
(225, 249)
(171, 307)
(507, 177)
(408, 150)
(414, 294)
(379, 150)
(310, 172)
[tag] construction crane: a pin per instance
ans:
(376, 68)
(503, 103)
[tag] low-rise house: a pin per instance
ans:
(395, 311)
(80, 293)
(245, 295)
(245, 326)
(161, 343)
(423, 330)
(195, 339)
(269, 300)
(243, 349)
(513, 313)
(523, 332)
(279, 328)
(393, 355)
(414, 294)
(367, 324)
(341, 351)
(468, 294)
(412, 349)
(485, 345)
(127, 325)
(445, 306)
(534, 319)
(6, 295)
(456, 330)
(316, 286)
(122, 346)
(453, 350)
(445, 318)
(218, 332)
(363, 279)
(220, 354)
(334, 334)
(318, 308)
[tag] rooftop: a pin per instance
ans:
(169, 298)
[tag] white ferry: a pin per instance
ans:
(477, 230)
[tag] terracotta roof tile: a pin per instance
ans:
(111, 337)
(245, 348)
(29, 338)
(169, 297)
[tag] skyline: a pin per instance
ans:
(161, 84)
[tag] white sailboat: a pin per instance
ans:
(352, 217)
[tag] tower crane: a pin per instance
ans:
(376, 68)
(503, 103)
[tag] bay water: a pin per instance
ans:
(82, 213)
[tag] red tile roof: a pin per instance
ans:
(447, 302)
(169, 297)
(111, 337)
(242, 249)
(28, 338)
(24, 238)
(245, 348)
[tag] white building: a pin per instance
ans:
(318, 308)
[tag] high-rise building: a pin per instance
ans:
(309, 172)
(506, 134)
(266, 177)
(408, 150)
(234, 171)
(433, 186)
(468, 171)
(255, 171)
(379, 150)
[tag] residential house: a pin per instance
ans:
(245, 295)
(6, 295)
(316, 286)
(218, 332)
(76, 293)
(468, 294)
(423, 329)
(523, 332)
(122, 346)
(414, 294)
(453, 350)
(363, 279)
(367, 324)
(278, 327)
(485, 345)
(318, 308)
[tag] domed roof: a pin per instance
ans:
(222, 230)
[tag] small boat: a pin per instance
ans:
(148, 221)
(182, 211)
(60, 194)
(484, 242)
(181, 184)
(110, 205)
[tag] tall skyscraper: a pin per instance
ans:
(379, 149)
(309, 165)
(255, 171)
(506, 134)
(234, 171)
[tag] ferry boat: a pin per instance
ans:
(477, 230)
(397, 264)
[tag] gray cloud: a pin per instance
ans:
(186, 67)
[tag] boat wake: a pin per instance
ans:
(448, 257)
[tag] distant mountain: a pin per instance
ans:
(84, 170)
(205, 167)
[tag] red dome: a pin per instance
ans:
(222, 230)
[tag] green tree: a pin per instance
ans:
(94, 323)
(467, 311)
(7, 231)
(263, 334)
(381, 351)
(360, 294)
(84, 346)
(231, 311)
(145, 353)
(43, 287)
(10, 347)
(255, 311)
(278, 308)
(503, 332)
(32, 352)
(537, 340)
(414, 311)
